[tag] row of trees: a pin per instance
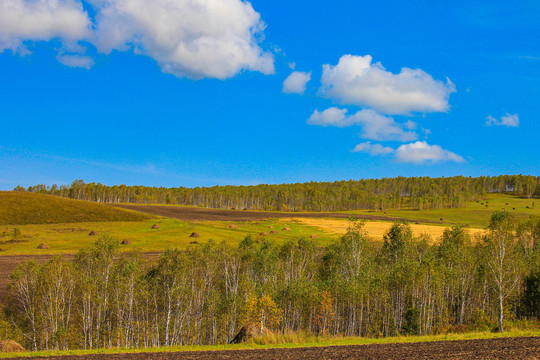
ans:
(378, 194)
(206, 293)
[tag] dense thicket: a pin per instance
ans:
(205, 294)
(395, 193)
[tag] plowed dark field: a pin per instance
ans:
(504, 348)
(194, 213)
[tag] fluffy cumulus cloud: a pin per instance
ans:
(41, 20)
(296, 82)
(510, 120)
(421, 152)
(375, 126)
(356, 80)
(373, 149)
(187, 38)
(191, 38)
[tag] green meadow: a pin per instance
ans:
(68, 238)
(476, 214)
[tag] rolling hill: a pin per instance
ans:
(20, 208)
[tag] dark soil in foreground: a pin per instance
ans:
(504, 348)
(193, 213)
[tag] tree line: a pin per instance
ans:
(355, 286)
(375, 194)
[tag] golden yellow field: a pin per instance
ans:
(375, 229)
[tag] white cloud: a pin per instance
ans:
(383, 128)
(375, 126)
(76, 61)
(356, 80)
(421, 152)
(296, 82)
(41, 20)
(330, 117)
(191, 38)
(510, 120)
(187, 38)
(373, 149)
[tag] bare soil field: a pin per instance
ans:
(502, 348)
(193, 213)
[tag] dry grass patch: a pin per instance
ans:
(375, 229)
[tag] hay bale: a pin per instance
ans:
(270, 227)
(286, 229)
(194, 235)
(273, 232)
(42, 247)
(126, 242)
(248, 332)
(264, 234)
(92, 233)
(155, 226)
(10, 346)
(313, 236)
(233, 226)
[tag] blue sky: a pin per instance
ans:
(165, 94)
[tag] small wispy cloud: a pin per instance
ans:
(296, 82)
(76, 61)
(509, 120)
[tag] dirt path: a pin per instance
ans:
(503, 348)
(194, 213)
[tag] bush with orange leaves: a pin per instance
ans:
(325, 314)
(263, 312)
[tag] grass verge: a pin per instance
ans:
(297, 341)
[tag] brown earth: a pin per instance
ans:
(193, 213)
(503, 348)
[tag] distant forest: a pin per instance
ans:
(372, 194)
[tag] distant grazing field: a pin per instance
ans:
(20, 208)
(69, 238)
(476, 214)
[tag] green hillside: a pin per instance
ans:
(19, 208)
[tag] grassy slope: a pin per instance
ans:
(19, 208)
(309, 341)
